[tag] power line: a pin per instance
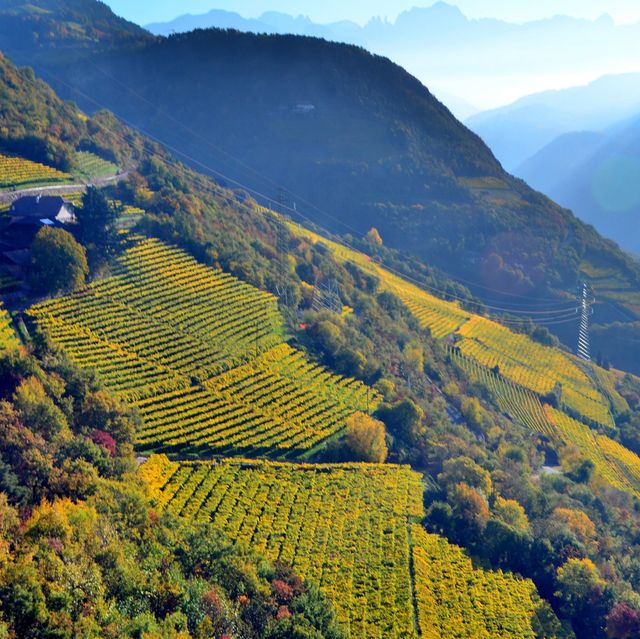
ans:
(444, 293)
(441, 292)
(539, 301)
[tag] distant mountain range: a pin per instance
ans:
(519, 130)
(597, 174)
(475, 60)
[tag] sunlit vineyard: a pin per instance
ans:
(521, 360)
(343, 527)
(7, 336)
(519, 403)
(202, 356)
(539, 368)
(89, 165)
(613, 462)
(347, 528)
(457, 601)
(18, 172)
(279, 401)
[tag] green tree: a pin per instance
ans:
(58, 263)
(465, 470)
(511, 512)
(38, 410)
(366, 438)
(403, 419)
(97, 222)
(578, 581)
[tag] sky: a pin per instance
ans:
(146, 11)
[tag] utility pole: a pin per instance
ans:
(586, 300)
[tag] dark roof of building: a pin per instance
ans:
(40, 206)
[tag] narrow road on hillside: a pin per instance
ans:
(62, 189)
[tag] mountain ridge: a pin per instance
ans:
(519, 130)
(371, 144)
(471, 47)
(598, 178)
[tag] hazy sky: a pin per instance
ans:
(145, 11)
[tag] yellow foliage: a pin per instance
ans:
(511, 512)
(16, 172)
(342, 526)
(366, 438)
(457, 600)
(577, 522)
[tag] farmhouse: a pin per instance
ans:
(28, 215)
(42, 209)
(19, 227)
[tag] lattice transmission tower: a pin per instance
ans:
(326, 296)
(586, 299)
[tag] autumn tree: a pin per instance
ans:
(464, 470)
(511, 513)
(373, 237)
(58, 263)
(578, 523)
(365, 438)
(623, 622)
(579, 583)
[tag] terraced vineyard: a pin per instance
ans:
(89, 165)
(519, 403)
(8, 338)
(525, 362)
(278, 401)
(456, 600)
(613, 462)
(202, 355)
(343, 527)
(346, 527)
(536, 367)
(18, 173)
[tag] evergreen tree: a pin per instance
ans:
(97, 223)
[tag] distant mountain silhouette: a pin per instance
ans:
(598, 176)
(518, 131)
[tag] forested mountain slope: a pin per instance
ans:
(357, 137)
(466, 413)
